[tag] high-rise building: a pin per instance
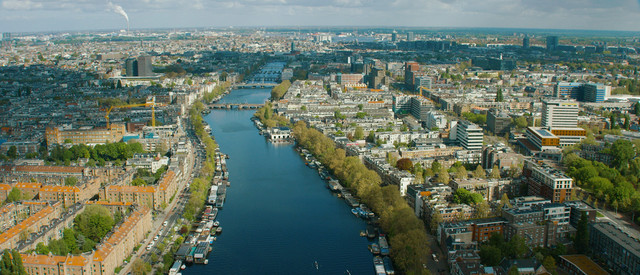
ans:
(6, 39)
(469, 135)
(423, 81)
(409, 69)
(595, 92)
(552, 42)
(525, 42)
(559, 114)
(394, 36)
(131, 67)
(145, 68)
(410, 36)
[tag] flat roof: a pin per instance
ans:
(585, 264)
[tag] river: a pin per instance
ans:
(279, 216)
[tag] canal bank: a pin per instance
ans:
(279, 217)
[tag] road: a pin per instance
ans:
(439, 266)
(171, 214)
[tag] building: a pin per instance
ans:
(526, 42)
(619, 251)
(569, 136)
(10, 238)
(22, 147)
(131, 67)
(423, 81)
(349, 79)
(583, 92)
(498, 122)
(68, 195)
(493, 63)
(410, 36)
(85, 135)
(560, 114)
(436, 120)
(542, 138)
(552, 42)
(469, 135)
(410, 69)
(580, 265)
(141, 66)
(547, 182)
(501, 156)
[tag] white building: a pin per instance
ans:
(469, 135)
(560, 114)
(436, 119)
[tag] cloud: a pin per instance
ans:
(20, 5)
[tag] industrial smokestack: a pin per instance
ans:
(119, 10)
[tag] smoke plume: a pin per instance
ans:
(119, 10)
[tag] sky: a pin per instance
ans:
(66, 15)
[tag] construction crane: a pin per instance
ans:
(151, 104)
(423, 88)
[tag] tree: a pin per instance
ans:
(94, 222)
(11, 263)
(581, 240)
(482, 210)
(435, 166)
(636, 108)
(479, 172)
(622, 151)
(404, 164)
(12, 152)
(359, 133)
(139, 267)
(513, 270)
(550, 264)
(443, 176)
(462, 173)
(520, 122)
(495, 172)
(490, 255)
(71, 181)
(504, 201)
(499, 96)
(14, 195)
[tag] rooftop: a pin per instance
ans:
(585, 264)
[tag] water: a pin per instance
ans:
(279, 217)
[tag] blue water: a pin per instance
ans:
(279, 217)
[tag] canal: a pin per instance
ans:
(279, 217)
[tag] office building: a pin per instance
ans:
(410, 68)
(559, 114)
(131, 67)
(542, 138)
(436, 120)
(394, 36)
(423, 81)
(469, 135)
(552, 42)
(583, 92)
(547, 182)
(349, 79)
(498, 122)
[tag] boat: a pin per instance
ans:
(388, 266)
(216, 223)
(182, 267)
(384, 245)
(354, 211)
(375, 249)
(362, 233)
(371, 232)
(316, 264)
(379, 265)
(219, 230)
(206, 261)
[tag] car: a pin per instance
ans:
(156, 238)
(165, 223)
(434, 257)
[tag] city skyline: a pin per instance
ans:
(44, 15)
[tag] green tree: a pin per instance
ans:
(71, 181)
(581, 240)
(636, 108)
(495, 172)
(443, 176)
(436, 166)
(513, 270)
(520, 122)
(462, 173)
(140, 267)
(12, 152)
(550, 264)
(94, 222)
(479, 172)
(499, 96)
(11, 263)
(14, 195)
(359, 133)
(490, 255)
(622, 151)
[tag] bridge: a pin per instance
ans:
(233, 106)
(253, 85)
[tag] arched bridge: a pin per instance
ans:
(233, 106)
(253, 85)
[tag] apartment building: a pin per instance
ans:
(85, 135)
